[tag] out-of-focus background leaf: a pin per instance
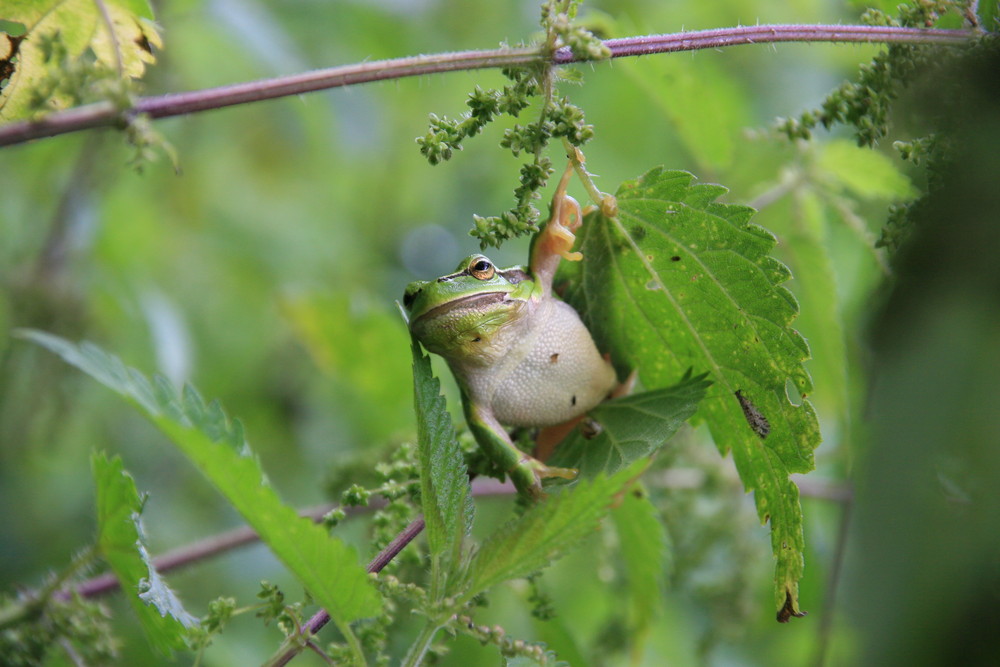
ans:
(265, 273)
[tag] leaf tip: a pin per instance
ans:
(790, 609)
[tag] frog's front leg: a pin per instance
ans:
(525, 471)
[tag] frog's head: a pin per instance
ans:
(458, 313)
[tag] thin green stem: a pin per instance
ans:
(599, 199)
(353, 643)
(423, 642)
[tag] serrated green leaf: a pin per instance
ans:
(78, 26)
(866, 173)
(679, 281)
(120, 542)
(444, 480)
(545, 531)
(629, 428)
(644, 558)
(327, 567)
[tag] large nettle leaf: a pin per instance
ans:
(327, 567)
(676, 281)
(38, 38)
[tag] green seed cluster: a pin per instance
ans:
(220, 611)
(508, 646)
(557, 119)
(865, 103)
(288, 617)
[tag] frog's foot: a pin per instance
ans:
(558, 236)
(529, 472)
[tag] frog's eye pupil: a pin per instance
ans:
(481, 269)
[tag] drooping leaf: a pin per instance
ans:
(444, 480)
(816, 282)
(677, 281)
(327, 567)
(701, 101)
(546, 531)
(120, 542)
(864, 172)
(645, 557)
(345, 335)
(629, 428)
(51, 33)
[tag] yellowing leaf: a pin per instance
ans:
(66, 46)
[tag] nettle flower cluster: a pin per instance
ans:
(557, 119)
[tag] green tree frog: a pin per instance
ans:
(520, 355)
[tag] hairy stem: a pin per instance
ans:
(104, 114)
(578, 160)
(357, 653)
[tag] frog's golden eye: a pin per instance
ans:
(482, 269)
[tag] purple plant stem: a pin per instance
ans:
(103, 114)
(321, 618)
(218, 544)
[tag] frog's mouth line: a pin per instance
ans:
(482, 299)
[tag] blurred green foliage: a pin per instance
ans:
(266, 271)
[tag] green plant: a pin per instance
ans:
(684, 288)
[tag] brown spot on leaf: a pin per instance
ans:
(7, 67)
(143, 43)
(788, 610)
(554, 358)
